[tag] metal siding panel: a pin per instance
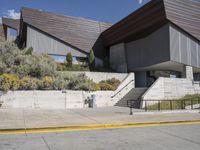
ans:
(174, 45)
(194, 53)
(187, 47)
(183, 48)
(42, 43)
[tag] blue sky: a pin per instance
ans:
(101, 10)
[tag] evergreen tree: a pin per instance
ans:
(91, 59)
(69, 59)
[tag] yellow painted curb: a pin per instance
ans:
(94, 127)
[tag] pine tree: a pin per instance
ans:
(69, 59)
(91, 59)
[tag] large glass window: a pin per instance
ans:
(62, 59)
(59, 58)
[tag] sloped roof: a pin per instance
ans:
(12, 23)
(78, 32)
(183, 13)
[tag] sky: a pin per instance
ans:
(101, 10)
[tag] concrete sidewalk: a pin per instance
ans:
(28, 118)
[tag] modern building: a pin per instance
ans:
(55, 34)
(162, 38)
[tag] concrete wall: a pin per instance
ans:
(53, 99)
(183, 48)
(150, 50)
(43, 43)
(99, 76)
(67, 99)
(118, 57)
(171, 88)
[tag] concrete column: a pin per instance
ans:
(188, 72)
(118, 58)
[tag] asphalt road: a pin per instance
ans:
(178, 137)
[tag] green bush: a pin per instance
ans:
(9, 82)
(46, 83)
(94, 86)
(2, 67)
(106, 87)
(69, 59)
(114, 82)
(28, 83)
(25, 62)
(91, 60)
(29, 51)
(110, 84)
(77, 67)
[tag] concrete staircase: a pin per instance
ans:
(133, 94)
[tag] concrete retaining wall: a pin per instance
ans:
(171, 88)
(53, 99)
(99, 76)
(68, 99)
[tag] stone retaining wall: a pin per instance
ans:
(171, 88)
(53, 99)
(69, 99)
(99, 76)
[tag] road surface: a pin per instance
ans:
(176, 137)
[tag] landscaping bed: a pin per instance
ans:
(176, 104)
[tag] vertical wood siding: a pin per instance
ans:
(42, 43)
(183, 48)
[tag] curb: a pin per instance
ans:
(94, 127)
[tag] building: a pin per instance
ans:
(55, 34)
(162, 38)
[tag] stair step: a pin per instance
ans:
(134, 94)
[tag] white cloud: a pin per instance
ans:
(12, 14)
(140, 1)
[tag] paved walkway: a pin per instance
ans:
(28, 118)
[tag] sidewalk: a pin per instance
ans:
(28, 118)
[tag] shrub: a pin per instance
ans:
(24, 62)
(2, 67)
(46, 83)
(110, 84)
(60, 67)
(114, 82)
(106, 86)
(94, 86)
(28, 83)
(29, 51)
(91, 60)
(77, 67)
(69, 59)
(9, 82)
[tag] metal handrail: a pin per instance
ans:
(122, 89)
(131, 103)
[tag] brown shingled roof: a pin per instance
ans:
(78, 32)
(183, 13)
(12, 23)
